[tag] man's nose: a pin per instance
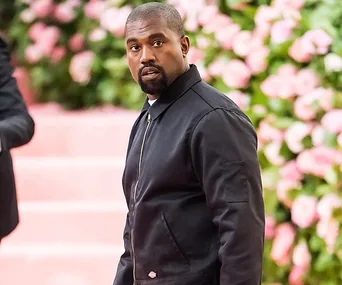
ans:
(147, 55)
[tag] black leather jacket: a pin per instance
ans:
(193, 188)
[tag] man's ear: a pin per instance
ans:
(185, 45)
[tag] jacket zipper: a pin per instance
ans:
(135, 190)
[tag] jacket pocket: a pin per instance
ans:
(172, 239)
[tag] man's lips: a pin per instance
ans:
(149, 70)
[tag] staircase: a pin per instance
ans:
(72, 208)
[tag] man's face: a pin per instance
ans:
(156, 54)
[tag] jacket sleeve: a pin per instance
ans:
(224, 156)
(124, 274)
(16, 125)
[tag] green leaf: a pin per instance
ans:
(316, 243)
(320, 18)
(220, 85)
(323, 262)
(331, 176)
(283, 123)
(270, 177)
(106, 91)
(307, 142)
(323, 190)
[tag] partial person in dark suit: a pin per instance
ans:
(16, 129)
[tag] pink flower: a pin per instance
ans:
(203, 71)
(80, 66)
(332, 121)
(262, 31)
(270, 86)
(296, 275)
(306, 81)
(239, 98)
(36, 30)
(57, 54)
(267, 133)
(207, 15)
(226, 36)
(218, 23)
(282, 244)
(295, 134)
(339, 141)
(327, 204)
(237, 74)
(242, 43)
(256, 59)
(114, 20)
(97, 34)
(304, 107)
(318, 160)
(307, 106)
(195, 55)
(74, 3)
(301, 256)
(283, 188)
(93, 9)
(288, 4)
(76, 43)
(320, 39)
(265, 15)
(272, 153)
(317, 135)
(64, 13)
(279, 86)
(325, 97)
(301, 50)
(27, 16)
(217, 67)
(42, 8)
(270, 224)
(291, 171)
(281, 31)
(191, 23)
(48, 39)
(329, 231)
(202, 42)
(33, 53)
(303, 211)
(287, 70)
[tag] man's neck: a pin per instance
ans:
(152, 97)
(156, 96)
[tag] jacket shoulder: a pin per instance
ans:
(212, 97)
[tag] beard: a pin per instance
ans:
(156, 86)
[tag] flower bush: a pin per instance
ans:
(280, 61)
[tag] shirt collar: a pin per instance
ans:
(182, 84)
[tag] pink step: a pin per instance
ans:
(76, 222)
(60, 264)
(69, 178)
(79, 133)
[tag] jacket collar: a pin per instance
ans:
(182, 84)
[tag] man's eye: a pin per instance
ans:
(157, 43)
(135, 48)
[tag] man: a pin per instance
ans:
(192, 180)
(16, 129)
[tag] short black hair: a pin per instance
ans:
(159, 11)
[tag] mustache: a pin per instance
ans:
(151, 64)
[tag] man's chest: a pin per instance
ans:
(159, 157)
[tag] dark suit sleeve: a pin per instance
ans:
(16, 125)
(124, 274)
(224, 154)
